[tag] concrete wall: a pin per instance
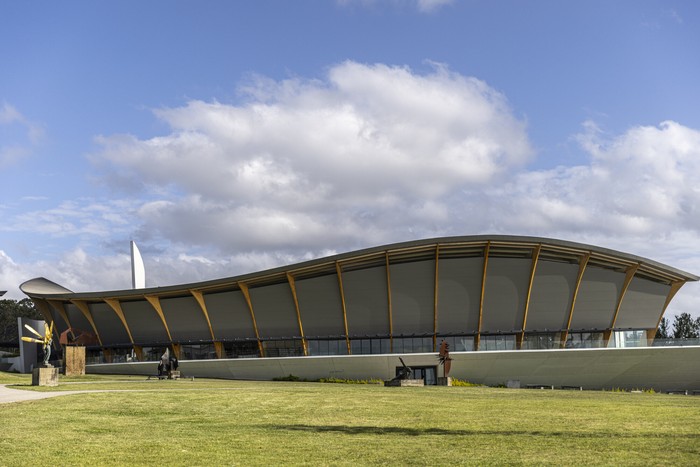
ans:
(661, 368)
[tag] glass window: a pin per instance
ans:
(327, 347)
(284, 348)
(241, 349)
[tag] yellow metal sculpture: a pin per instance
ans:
(44, 340)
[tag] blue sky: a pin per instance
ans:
(225, 137)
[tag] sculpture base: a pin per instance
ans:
(45, 376)
(405, 382)
(75, 360)
(444, 381)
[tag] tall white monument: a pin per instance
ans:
(138, 271)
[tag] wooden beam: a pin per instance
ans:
(246, 294)
(58, 306)
(203, 306)
(675, 287)
(117, 308)
(138, 350)
(583, 262)
(339, 272)
(435, 298)
(477, 342)
(533, 269)
(388, 295)
(85, 310)
(629, 275)
(155, 303)
(219, 348)
(292, 286)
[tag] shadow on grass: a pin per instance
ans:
(394, 430)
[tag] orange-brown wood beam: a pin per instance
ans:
(155, 303)
(203, 306)
(388, 296)
(675, 287)
(533, 269)
(435, 297)
(293, 287)
(246, 295)
(629, 275)
(339, 272)
(477, 341)
(581, 270)
(85, 310)
(117, 308)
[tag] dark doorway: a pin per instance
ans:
(426, 373)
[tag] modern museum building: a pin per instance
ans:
(534, 310)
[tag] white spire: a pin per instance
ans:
(138, 271)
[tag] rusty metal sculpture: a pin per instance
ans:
(444, 358)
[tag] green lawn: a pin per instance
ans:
(210, 422)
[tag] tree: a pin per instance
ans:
(685, 327)
(663, 332)
(10, 310)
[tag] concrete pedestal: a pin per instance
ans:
(444, 381)
(45, 376)
(75, 360)
(405, 382)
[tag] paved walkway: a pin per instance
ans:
(18, 395)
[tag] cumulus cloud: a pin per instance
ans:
(346, 160)
(19, 135)
(640, 183)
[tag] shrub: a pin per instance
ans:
(350, 381)
(461, 382)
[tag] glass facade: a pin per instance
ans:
(241, 349)
(327, 347)
(629, 339)
(370, 346)
(457, 343)
(283, 348)
(585, 340)
(497, 342)
(539, 341)
(197, 352)
(248, 348)
(153, 354)
(413, 344)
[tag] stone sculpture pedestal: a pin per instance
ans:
(45, 376)
(405, 382)
(75, 360)
(444, 381)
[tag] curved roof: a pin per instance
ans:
(44, 288)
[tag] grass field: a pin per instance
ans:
(213, 422)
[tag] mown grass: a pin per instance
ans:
(210, 422)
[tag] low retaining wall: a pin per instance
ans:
(660, 368)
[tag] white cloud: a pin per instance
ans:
(20, 137)
(423, 6)
(343, 161)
